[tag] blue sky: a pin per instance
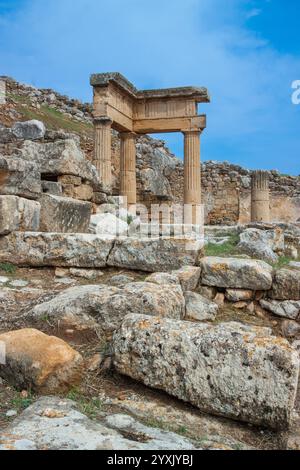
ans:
(247, 52)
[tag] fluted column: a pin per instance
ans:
(128, 169)
(192, 177)
(102, 150)
(260, 197)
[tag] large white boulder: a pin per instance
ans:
(54, 423)
(103, 308)
(29, 130)
(108, 225)
(228, 369)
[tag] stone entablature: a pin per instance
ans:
(119, 105)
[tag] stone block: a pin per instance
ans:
(18, 214)
(64, 215)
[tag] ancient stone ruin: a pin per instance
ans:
(117, 331)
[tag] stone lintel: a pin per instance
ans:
(199, 94)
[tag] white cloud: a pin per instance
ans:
(162, 43)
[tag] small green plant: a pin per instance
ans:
(8, 268)
(86, 405)
(129, 219)
(21, 403)
(283, 261)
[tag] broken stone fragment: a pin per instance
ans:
(19, 178)
(286, 285)
(236, 273)
(29, 130)
(39, 362)
(199, 308)
(189, 277)
(239, 295)
(163, 278)
(17, 213)
(286, 308)
(227, 369)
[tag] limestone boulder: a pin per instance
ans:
(18, 214)
(54, 423)
(29, 130)
(39, 362)
(236, 273)
(286, 285)
(61, 157)
(229, 369)
(189, 277)
(198, 308)
(64, 215)
(262, 244)
(19, 178)
(103, 308)
(239, 295)
(108, 225)
(6, 135)
(55, 249)
(282, 308)
(153, 255)
(163, 278)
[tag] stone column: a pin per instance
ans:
(260, 197)
(102, 150)
(128, 169)
(192, 177)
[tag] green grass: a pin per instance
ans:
(53, 119)
(228, 248)
(284, 261)
(86, 406)
(19, 403)
(8, 268)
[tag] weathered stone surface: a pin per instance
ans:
(120, 280)
(19, 178)
(236, 273)
(285, 308)
(6, 135)
(262, 244)
(239, 295)
(108, 225)
(62, 157)
(290, 329)
(104, 307)
(43, 363)
(286, 285)
(64, 215)
(18, 214)
(152, 255)
(163, 278)
(229, 369)
(52, 187)
(29, 130)
(53, 423)
(199, 308)
(89, 274)
(189, 277)
(207, 292)
(55, 249)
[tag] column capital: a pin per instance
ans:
(192, 131)
(104, 120)
(128, 135)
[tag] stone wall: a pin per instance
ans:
(226, 189)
